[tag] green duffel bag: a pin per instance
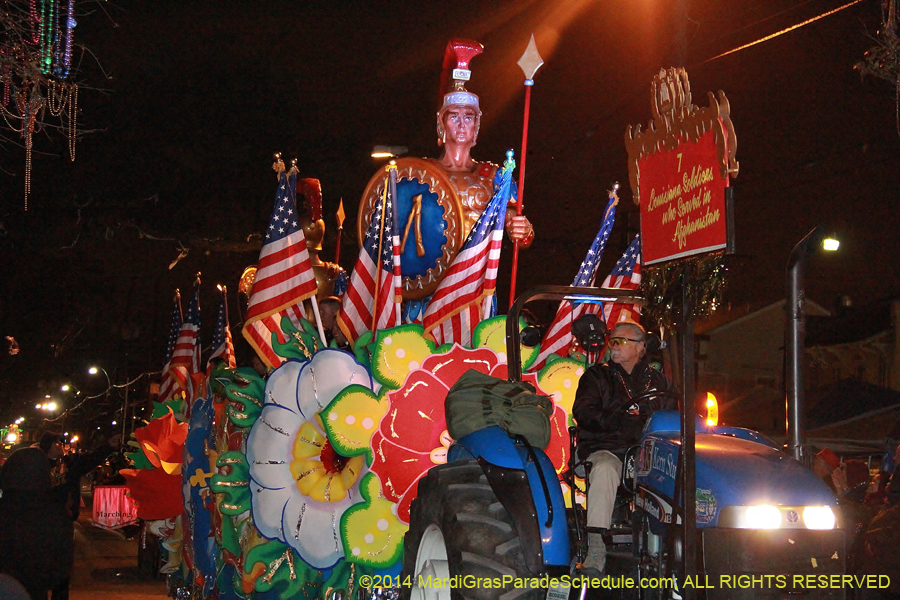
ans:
(477, 401)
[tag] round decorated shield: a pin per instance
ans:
(429, 222)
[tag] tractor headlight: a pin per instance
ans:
(768, 516)
(819, 517)
(762, 516)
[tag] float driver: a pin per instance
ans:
(610, 421)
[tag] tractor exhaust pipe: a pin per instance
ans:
(794, 337)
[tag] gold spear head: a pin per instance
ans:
(531, 60)
(340, 214)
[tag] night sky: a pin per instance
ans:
(182, 105)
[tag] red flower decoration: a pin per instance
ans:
(156, 493)
(412, 436)
(162, 441)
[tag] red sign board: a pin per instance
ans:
(682, 200)
(112, 508)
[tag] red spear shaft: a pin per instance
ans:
(339, 217)
(529, 62)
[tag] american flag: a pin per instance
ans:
(625, 276)
(459, 327)
(472, 277)
(167, 384)
(184, 366)
(222, 345)
(372, 300)
(284, 276)
(559, 336)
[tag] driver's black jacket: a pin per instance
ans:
(603, 399)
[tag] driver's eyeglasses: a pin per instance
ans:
(622, 341)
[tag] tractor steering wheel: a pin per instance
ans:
(653, 400)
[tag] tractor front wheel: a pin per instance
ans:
(461, 543)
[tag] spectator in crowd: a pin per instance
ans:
(876, 494)
(36, 534)
(824, 464)
(67, 473)
(877, 548)
(11, 589)
(328, 311)
(851, 478)
(68, 469)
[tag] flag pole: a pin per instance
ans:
(224, 291)
(378, 258)
(530, 62)
(315, 307)
(339, 217)
(395, 242)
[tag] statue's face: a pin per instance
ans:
(460, 125)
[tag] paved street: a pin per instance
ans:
(106, 566)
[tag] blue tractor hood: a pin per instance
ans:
(731, 471)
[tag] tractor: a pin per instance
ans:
(493, 523)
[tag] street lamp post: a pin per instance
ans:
(794, 337)
(93, 371)
(69, 387)
(125, 411)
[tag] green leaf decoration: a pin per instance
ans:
(364, 348)
(370, 531)
(299, 343)
(235, 486)
(344, 576)
(219, 376)
(352, 417)
(491, 333)
(229, 539)
(282, 571)
(245, 390)
(398, 351)
(162, 409)
(139, 460)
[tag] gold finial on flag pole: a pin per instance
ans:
(278, 165)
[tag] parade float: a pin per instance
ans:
(295, 479)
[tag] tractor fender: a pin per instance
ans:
(516, 478)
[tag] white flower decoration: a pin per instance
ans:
(299, 485)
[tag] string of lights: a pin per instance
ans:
(68, 410)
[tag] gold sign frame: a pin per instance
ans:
(675, 120)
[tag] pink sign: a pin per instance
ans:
(112, 508)
(682, 201)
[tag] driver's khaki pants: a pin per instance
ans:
(605, 474)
